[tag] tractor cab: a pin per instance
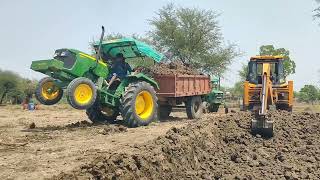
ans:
(256, 68)
(132, 53)
(135, 52)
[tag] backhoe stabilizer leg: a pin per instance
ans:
(263, 126)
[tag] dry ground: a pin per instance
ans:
(62, 140)
(64, 144)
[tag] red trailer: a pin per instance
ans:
(182, 89)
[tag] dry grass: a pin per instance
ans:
(304, 107)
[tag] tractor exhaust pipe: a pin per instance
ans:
(98, 53)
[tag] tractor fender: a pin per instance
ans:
(142, 77)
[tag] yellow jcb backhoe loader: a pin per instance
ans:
(266, 89)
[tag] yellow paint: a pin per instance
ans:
(267, 58)
(144, 105)
(246, 93)
(290, 91)
(49, 90)
(83, 94)
(92, 58)
(271, 93)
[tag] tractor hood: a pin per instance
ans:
(217, 91)
(130, 48)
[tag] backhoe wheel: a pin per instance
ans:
(98, 114)
(164, 111)
(47, 92)
(139, 104)
(194, 107)
(81, 93)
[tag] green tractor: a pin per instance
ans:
(90, 85)
(215, 98)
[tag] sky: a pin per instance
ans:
(32, 30)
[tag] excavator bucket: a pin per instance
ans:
(262, 125)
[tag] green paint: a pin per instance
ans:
(130, 48)
(216, 96)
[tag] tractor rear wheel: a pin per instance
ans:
(98, 114)
(194, 107)
(47, 92)
(81, 93)
(139, 104)
(164, 111)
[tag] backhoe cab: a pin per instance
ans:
(266, 89)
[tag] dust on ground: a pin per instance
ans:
(218, 148)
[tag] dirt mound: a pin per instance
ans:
(174, 67)
(220, 148)
(112, 129)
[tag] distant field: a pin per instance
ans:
(300, 107)
(297, 107)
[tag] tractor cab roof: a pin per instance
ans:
(266, 58)
(130, 48)
(214, 80)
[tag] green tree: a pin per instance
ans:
(15, 88)
(8, 84)
(317, 11)
(237, 89)
(309, 94)
(289, 65)
(192, 36)
(243, 72)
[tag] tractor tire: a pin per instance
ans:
(194, 107)
(96, 114)
(164, 111)
(139, 104)
(213, 108)
(42, 92)
(81, 93)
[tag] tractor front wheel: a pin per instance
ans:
(139, 104)
(47, 92)
(214, 108)
(81, 93)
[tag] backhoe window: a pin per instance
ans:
(256, 71)
(252, 73)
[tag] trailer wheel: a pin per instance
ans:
(194, 107)
(98, 114)
(47, 92)
(81, 93)
(164, 111)
(139, 104)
